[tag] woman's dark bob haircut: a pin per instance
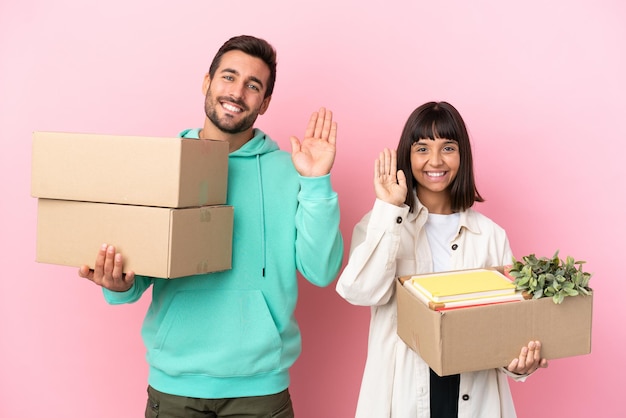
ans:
(439, 120)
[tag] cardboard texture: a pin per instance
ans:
(157, 242)
(486, 337)
(133, 170)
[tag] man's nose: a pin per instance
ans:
(237, 90)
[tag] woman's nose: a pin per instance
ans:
(435, 159)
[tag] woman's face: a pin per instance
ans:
(435, 164)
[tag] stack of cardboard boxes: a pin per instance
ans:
(160, 201)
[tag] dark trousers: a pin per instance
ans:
(163, 405)
(444, 395)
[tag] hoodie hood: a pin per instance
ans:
(259, 144)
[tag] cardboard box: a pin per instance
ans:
(158, 242)
(165, 172)
(490, 336)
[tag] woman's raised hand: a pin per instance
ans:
(389, 182)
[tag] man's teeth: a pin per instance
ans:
(231, 107)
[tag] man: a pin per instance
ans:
(221, 345)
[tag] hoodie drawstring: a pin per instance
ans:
(261, 200)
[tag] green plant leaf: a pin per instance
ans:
(522, 280)
(550, 277)
(558, 298)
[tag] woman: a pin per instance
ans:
(422, 222)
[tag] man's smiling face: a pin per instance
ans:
(235, 96)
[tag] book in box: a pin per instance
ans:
(460, 285)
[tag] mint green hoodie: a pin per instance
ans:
(233, 333)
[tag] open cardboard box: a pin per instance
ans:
(132, 170)
(490, 336)
(155, 241)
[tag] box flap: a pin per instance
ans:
(201, 240)
(203, 172)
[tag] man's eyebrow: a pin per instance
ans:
(230, 70)
(252, 78)
(256, 80)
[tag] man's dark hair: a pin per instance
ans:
(252, 46)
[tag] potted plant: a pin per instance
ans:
(550, 277)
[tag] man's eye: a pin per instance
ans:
(253, 87)
(228, 77)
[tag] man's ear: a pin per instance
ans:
(265, 105)
(206, 83)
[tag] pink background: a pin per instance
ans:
(539, 83)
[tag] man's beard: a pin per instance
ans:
(223, 125)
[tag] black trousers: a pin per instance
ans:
(444, 395)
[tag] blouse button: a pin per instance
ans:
(399, 220)
(466, 397)
(454, 246)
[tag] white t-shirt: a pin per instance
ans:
(441, 230)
